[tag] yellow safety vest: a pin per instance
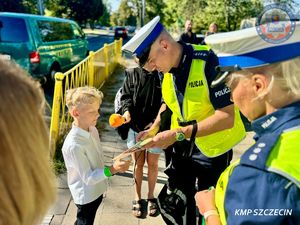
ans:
(221, 191)
(197, 106)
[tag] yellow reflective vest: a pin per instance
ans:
(197, 106)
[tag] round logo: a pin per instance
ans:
(275, 24)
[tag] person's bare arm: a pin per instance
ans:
(205, 201)
(222, 119)
(154, 127)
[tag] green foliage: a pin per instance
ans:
(59, 165)
(154, 8)
(11, 6)
(130, 12)
(30, 6)
(104, 20)
(20, 6)
(126, 14)
(226, 13)
(177, 12)
(82, 11)
(231, 12)
(58, 161)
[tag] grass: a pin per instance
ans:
(58, 161)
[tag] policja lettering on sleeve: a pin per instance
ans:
(222, 92)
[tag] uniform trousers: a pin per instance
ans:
(192, 174)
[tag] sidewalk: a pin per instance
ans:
(116, 206)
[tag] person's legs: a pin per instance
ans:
(179, 204)
(139, 161)
(168, 155)
(86, 213)
(152, 161)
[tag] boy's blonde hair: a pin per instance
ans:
(82, 95)
(27, 182)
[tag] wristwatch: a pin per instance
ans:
(179, 136)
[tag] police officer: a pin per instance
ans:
(204, 123)
(264, 186)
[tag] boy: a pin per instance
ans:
(82, 153)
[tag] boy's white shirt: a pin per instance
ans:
(84, 162)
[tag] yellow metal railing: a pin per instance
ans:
(92, 71)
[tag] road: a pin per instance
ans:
(97, 41)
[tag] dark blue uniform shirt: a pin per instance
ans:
(255, 194)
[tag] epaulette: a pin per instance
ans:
(200, 54)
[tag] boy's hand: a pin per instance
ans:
(119, 166)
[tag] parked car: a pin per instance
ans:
(41, 45)
(121, 32)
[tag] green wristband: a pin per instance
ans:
(107, 171)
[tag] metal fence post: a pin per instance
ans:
(116, 48)
(54, 126)
(91, 68)
(120, 49)
(105, 52)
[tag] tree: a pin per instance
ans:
(154, 8)
(126, 14)
(114, 19)
(20, 6)
(130, 11)
(11, 6)
(177, 12)
(226, 13)
(30, 6)
(104, 19)
(82, 11)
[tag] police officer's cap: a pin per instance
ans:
(248, 48)
(140, 44)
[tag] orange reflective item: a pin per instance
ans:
(116, 120)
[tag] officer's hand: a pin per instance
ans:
(205, 200)
(163, 139)
(147, 133)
